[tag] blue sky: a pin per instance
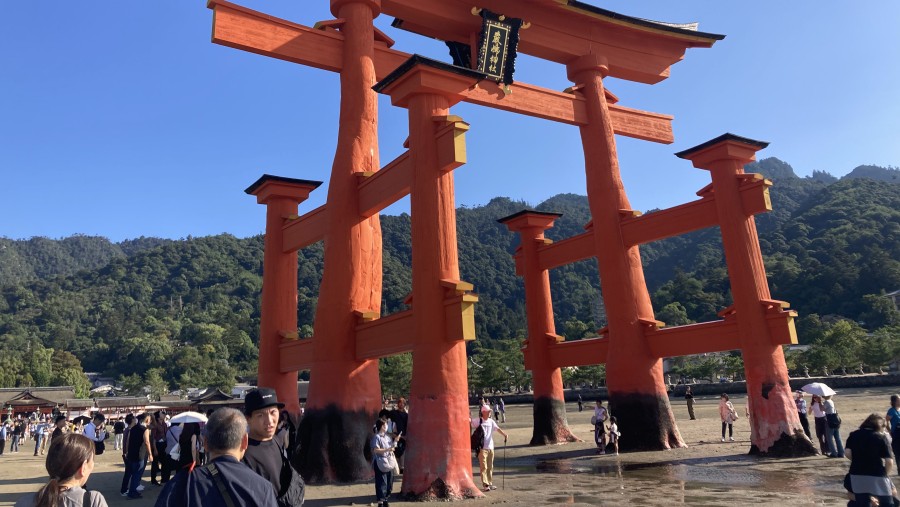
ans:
(122, 119)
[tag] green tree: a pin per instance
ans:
(592, 376)
(38, 363)
(674, 314)
(881, 347)
(838, 347)
(10, 370)
(733, 365)
(879, 312)
(133, 384)
(575, 329)
(395, 373)
(793, 359)
(75, 378)
(158, 386)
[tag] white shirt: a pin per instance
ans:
(817, 410)
(600, 414)
(488, 425)
(91, 432)
(829, 407)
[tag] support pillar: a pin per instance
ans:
(637, 391)
(345, 393)
(550, 423)
(774, 426)
(439, 458)
(278, 316)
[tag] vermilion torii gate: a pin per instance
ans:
(755, 324)
(349, 334)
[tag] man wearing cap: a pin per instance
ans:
(486, 455)
(266, 454)
(224, 481)
(61, 427)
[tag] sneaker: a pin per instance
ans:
(125, 494)
(731, 439)
(723, 439)
(486, 489)
(140, 488)
(492, 487)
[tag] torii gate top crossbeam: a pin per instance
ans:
(560, 31)
(242, 28)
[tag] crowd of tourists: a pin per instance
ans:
(20, 431)
(871, 448)
(244, 458)
(228, 458)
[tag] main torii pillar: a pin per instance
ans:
(439, 457)
(345, 393)
(550, 423)
(774, 426)
(634, 375)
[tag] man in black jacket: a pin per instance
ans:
(224, 481)
(266, 454)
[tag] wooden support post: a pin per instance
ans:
(774, 426)
(345, 392)
(279, 291)
(439, 459)
(637, 391)
(550, 423)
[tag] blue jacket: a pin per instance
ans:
(198, 488)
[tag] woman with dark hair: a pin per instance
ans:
(893, 417)
(383, 462)
(728, 415)
(817, 409)
(189, 446)
(70, 462)
(871, 461)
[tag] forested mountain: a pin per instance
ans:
(186, 312)
(41, 258)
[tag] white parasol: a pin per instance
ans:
(188, 417)
(818, 388)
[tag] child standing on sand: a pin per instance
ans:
(614, 434)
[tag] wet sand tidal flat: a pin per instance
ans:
(706, 473)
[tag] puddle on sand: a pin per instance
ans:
(711, 475)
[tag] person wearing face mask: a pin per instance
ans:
(70, 461)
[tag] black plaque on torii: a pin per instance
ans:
(497, 47)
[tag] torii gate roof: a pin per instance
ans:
(562, 30)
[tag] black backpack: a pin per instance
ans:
(478, 437)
